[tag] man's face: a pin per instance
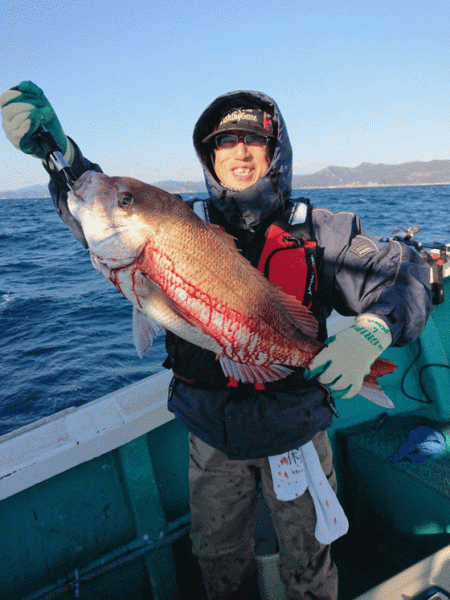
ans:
(241, 166)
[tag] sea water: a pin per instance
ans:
(66, 335)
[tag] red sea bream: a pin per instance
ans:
(187, 276)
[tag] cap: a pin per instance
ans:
(254, 120)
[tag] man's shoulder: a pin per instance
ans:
(322, 215)
(335, 228)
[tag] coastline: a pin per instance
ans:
(369, 185)
(14, 195)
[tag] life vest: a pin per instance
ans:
(288, 259)
(288, 256)
(256, 420)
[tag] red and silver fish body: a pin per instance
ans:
(187, 276)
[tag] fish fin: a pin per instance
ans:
(144, 331)
(376, 395)
(178, 310)
(164, 310)
(252, 373)
(302, 317)
(371, 389)
(382, 366)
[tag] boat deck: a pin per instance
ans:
(94, 500)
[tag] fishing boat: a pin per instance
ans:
(94, 499)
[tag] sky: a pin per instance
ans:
(356, 81)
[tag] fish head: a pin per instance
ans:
(118, 214)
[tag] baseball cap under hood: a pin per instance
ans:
(246, 208)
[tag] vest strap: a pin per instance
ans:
(199, 207)
(299, 214)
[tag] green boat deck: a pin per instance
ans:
(83, 518)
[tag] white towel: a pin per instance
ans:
(297, 470)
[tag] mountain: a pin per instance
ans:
(174, 187)
(182, 187)
(32, 191)
(365, 175)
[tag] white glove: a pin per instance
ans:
(23, 110)
(347, 359)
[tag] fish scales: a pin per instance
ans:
(211, 265)
(247, 336)
(187, 276)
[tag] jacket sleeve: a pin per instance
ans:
(59, 190)
(359, 274)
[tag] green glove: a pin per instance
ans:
(23, 111)
(349, 355)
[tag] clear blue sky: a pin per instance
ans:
(356, 81)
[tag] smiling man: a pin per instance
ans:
(324, 259)
(241, 155)
(243, 145)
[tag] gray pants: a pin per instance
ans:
(223, 510)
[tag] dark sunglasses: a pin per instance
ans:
(228, 141)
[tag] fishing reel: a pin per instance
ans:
(435, 254)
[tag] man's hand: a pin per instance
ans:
(343, 365)
(23, 111)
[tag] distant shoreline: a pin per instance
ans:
(335, 187)
(41, 190)
(351, 186)
(310, 187)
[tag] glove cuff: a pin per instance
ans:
(374, 330)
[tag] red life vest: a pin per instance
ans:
(289, 262)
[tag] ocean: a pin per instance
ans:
(66, 332)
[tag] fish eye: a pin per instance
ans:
(125, 201)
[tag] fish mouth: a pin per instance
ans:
(85, 180)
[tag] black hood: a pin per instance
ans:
(249, 207)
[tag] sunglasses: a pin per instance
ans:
(228, 141)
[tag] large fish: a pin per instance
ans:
(186, 275)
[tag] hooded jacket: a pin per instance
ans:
(246, 208)
(244, 422)
(356, 274)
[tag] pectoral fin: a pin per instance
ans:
(160, 311)
(144, 331)
(376, 395)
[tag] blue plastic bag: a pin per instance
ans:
(422, 443)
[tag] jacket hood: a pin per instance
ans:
(249, 207)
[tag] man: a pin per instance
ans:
(324, 259)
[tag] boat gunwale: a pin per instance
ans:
(54, 444)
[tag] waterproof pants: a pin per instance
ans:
(224, 496)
